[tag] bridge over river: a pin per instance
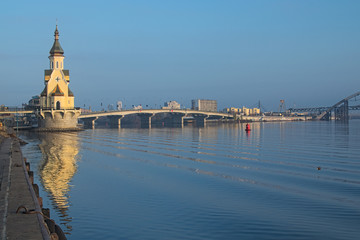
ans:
(175, 116)
(339, 109)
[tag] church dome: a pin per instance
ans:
(56, 48)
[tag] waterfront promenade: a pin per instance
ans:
(16, 191)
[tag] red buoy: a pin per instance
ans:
(247, 127)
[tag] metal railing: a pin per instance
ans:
(50, 108)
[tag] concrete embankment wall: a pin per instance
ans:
(21, 212)
(274, 118)
(17, 196)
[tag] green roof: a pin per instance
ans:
(44, 92)
(70, 93)
(48, 72)
(56, 48)
(66, 72)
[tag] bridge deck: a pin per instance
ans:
(153, 112)
(130, 112)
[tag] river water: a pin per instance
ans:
(284, 180)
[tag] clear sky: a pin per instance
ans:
(148, 52)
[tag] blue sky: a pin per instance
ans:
(149, 52)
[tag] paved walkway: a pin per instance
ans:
(14, 192)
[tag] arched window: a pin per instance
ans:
(57, 64)
(52, 65)
(57, 105)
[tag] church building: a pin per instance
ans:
(57, 93)
(57, 111)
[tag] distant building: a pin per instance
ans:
(137, 107)
(204, 105)
(110, 107)
(34, 103)
(119, 105)
(83, 110)
(3, 108)
(171, 105)
(234, 110)
(244, 111)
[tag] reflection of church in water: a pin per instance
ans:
(58, 166)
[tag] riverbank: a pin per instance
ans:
(21, 212)
(274, 118)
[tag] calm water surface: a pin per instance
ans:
(215, 182)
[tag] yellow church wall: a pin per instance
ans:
(53, 82)
(50, 102)
(65, 102)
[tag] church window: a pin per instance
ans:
(52, 65)
(57, 64)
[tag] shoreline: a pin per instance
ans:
(20, 203)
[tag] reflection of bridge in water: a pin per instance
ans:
(175, 117)
(340, 110)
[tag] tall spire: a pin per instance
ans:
(56, 34)
(56, 48)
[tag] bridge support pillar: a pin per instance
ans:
(200, 120)
(175, 120)
(346, 110)
(327, 116)
(342, 112)
(145, 119)
(115, 121)
(90, 122)
(338, 113)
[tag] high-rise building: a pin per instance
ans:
(204, 105)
